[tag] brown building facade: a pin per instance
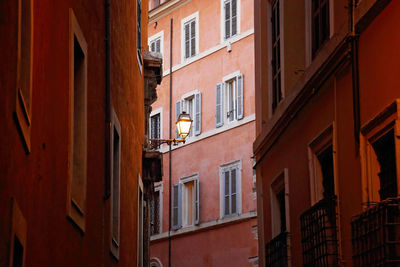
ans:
(72, 189)
(327, 147)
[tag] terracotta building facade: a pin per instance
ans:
(327, 126)
(73, 114)
(213, 203)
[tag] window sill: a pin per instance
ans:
(207, 225)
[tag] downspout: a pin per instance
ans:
(355, 73)
(170, 148)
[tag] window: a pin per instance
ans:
(276, 55)
(191, 104)
(186, 208)
(139, 31)
(279, 209)
(230, 10)
(155, 46)
(190, 36)
(115, 181)
(229, 100)
(23, 108)
(155, 126)
(78, 125)
(320, 24)
(18, 237)
(141, 213)
(230, 187)
(379, 156)
(321, 166)
(156, 210)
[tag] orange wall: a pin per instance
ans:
(206, 155)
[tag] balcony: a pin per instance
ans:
(276, 251)
(319, 234)
(376, 235)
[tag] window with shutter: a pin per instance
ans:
(176, 206)
(178, 111)
(230, 192)
(155, 45)
(230, 8)
(239, 101)
(230, 189)
(190, 37)
(219, 105)
(197, 201)
(197, 112)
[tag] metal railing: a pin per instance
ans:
(276, 251)
(319, 234)
(376, 235)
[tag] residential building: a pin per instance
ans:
(327, 157)
(73, 173)
(213, 207)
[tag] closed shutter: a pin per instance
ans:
(176, 206)
(153, 46)
(187, 40)
(193, 38)
(226, 191)
(178, 111)
(227, 19)
(197, 113)
(197, 201)
(233, 191)
(219, 106)
(239, 101)
(158, 46)
(234, 18)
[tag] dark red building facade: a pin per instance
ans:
(327, 146)
(72, 111)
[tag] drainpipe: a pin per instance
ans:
(355, 73)
(170, 149)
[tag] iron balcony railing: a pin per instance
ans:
(319, 234)
(376, 235)
(276, 251)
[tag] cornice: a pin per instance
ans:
(165, 9)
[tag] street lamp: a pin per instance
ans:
(183, 125)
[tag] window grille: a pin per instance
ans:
(319, 234)
(376, 235)
(276, 251)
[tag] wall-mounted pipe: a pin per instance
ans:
(355, 72)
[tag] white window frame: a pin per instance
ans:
(225, 80)
(159, 35)
(160, 189)
(183, 22)
(282, 58)
(222, 16)
(226, 167)
(153, 113)
(281, 181)
(183, 181)
(325, 139)
(308, 24)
